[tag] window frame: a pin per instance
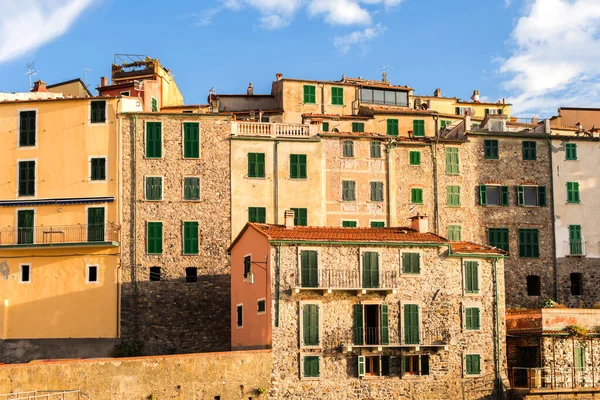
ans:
(538, 285)
(29, 266)
(466, 373)
(521, 196)
(355, 221)
(297, 215)
(298, 164)
(373, 191)
(402, 319)
(299, 263)
(191, 278)
(450, 196)
(371, 222)
(146, 142)
(257, 208)
(576, 193)
(313, 94)
(466, 290)
(358, 127)
(420, 124)
(493, 145)
(35, 180)
(319, 305)
(258, 301)
(348, 144)
(336, 97)
(452, 153)
(361, 271)
(413, 192)
(162, 238)
(152, 275)
(154, 104)
(466, 308)
(183, 237)
(571, 150)
(410, 158)
(103, 123)
(90, 169)
(162, 187)
(346, 190)
(498, 231)
(456, 228)
(392, 127)
(533, 148)
(534, 250)
(87, 274)
(256, 172)
(183, 141)
(375, 155)
(421, 264)
(503, 189)
(19, 111)
(303, 356)
(199, 188)
(239, 322)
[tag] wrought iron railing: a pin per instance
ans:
(575, 247)
(59, 234)
(554, 378)
(371, 336)
(347, 279)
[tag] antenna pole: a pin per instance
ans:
(31, 72)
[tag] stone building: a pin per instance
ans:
(369, 312)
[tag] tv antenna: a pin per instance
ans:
(31, 72)
(383, 72)
(86, 70)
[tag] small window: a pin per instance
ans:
(452, 167)
(125, 93)
(576, 284)
(418, 127)
(187, 112)
(531, 196)
(325, 127)
(411, 263)
(265, 119)
(191, 274)
(155, 273)
(349, 224)
(191, 188)
(358, 127)
(261, 306)
(191, 140)
(26, 178)
(240, 316)
(300, 216)
(472, 318)
(414, 158)
(154, 104)
(92, 274)
(533, 285)
(154, 238)
(257, 214)
(444, 124)
(491, 149)
(454, 233)
(190, 237)
(256, 165)
(573, 193)
(416, 196)
(310, 366)
(25, 273)
(154, 188)
(247, 266)
(153, 140)
(498, 237)
(473, 364)
(375, 149)
(348, 148)
(493, 195)
(98, 169)
(472, 277)
(529, 150)
(337, 96)
(310, 94)
(27, 128)
(348, 191)
(392, 127)
(453, 196)
(529, 243)
(377, 224)
(415, 365)
(373, 366)
(571, 151)
(98, 112)
(377, 191)
(298, 166)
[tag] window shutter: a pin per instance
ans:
(358, 326)
(504, 195)
(424, 365)
(148, 188)
(457, 110)
(262, 215)
(487, 111)
(541, 196)
(361, 365)
(302, 166)
(385, 365)
(261, 164)
(476, 318)
(520, 195)
(482, 195)
(416, 263)
(468, 318)
(469, 364)
(385, 336)
(251, 164)
(294, 164)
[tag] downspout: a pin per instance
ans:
(553, 217)
(119, 212)
(322, 99)
(277, 285)
(388, 148)
(133, 237)
(276, 181)
(435, 186)
(497, 323)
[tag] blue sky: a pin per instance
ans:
(540, 54)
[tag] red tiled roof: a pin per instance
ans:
(473, 248)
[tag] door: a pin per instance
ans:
(95, 231)
(576, 246)
(411, 324)
(25, 227)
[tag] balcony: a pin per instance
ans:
(330, 280)
(555, 378)
(372, 339)
(271, 130)
(61, 236)
(574, 248)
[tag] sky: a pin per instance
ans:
(538, 54)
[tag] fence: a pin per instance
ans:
(348, 279)
(554, 378)
(49, 235)
(273, 130)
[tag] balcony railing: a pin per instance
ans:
(273, 130)
(427, 337)
(575, 247)
(344, 280)
(554, 378)
(56, 235)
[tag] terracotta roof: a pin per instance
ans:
(354, 135)
(474, 248)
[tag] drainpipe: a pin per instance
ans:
(119, 212)
(277, 285)
(388, 149)
(435, 186)
(553, 235)
(322, 99)
(133, 238)
(276, 181)
(497, 323)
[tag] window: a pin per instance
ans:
(92, 274)
(498, 237)
(412, 331)
(472, 317)
(453, 196)
(493, 111)
(247, 266)
(265, 119)
(300, 216)
(471, 277)
(191, 140)
(155, 273)
(576, 284)
(25, 226)
(154, 240)
(337, 96)
(358, 127)
(154, 188)
(415, 365)
(26, 178)
(491, 149)
(472, 364)
(98, 169)
(310, 325)
(371, 324)
(531, 195)
(25, 273)
(309, 268)
(379, 96)
(125, 93)
(310, 94)
(493, 195)
(190, 237)
(375, 149)
(411, 263)
(528, 243)
(310, 366)
(454, 233)
(191, 188)
(377, 224)
(571, 151)
(153, 140)
(418, 127)
(392, 127)
(27, 128)
(191, 274)
(373, 366)
(462, 110)
(154, 104)
(533, 285)
(325, 126)
(98, 112)
(261, 306)
(348, 148)
(575, 242)
(416, 196)
(349, 224)
(348, 191)
(573, 193)
(240, 316)
(444, 124)
(529, 150)
(370, 276)
(580, 358)
(298, 166)
(414, 157)
(376, 191)
(257, 214)
(256, 165)
(95, 228)
(452, 161)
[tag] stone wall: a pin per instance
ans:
(590, 270)
(172, 315)
(24, 350)
(438, 292)
(233, 375)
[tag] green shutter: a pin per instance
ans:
(542, 196)
(472, 318)
(359, 332)
(471, 277)
(504, 195)
(311, 367)
(153, 188)
(418, 127)
(411, 324)
(573, 192)
(414, 157)
(337, 96)
(191, 140)
(310, 94)
(580, 357)
(473, 366)
(257, 214)
(309, 268)
(571, 151)
(358, 127)
(190, 237)
(575, 240)
(520, 195)
(370, 269)
(310, 328)
(452, 161)
(385, 333)
(453, 196)
(153, 140)
(361, 365)
(256, 165)
(417, 196)
(154, 237)
(375, 149)
(191, 188)
(392, 127)
(482, 195)
(377, 224)
(325, 127)
(385, 365)
(25, 228)
(411, 263)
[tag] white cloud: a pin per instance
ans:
(25, 25)
(556, 57)
(357, 39)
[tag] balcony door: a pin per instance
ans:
(371, 325)
(25, 228)
(95, 230)
(309, 269)
(370, 269)
(411, 324)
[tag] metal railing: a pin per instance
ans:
(575, 247)
(371, 336)
(348, 279)
(273, 129)
(554, 378)
(55, 234)
(43, 394)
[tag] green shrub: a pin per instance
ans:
(575, 330)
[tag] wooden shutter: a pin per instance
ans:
(359, 332)
(361, 365)
(190, 237)
(504, 195)
(482, 195)
(411, 324)
(385, 365)
(385, 335)
(424, 365)
(294, 164)
(302, 166)
(520, 195)
(541, 196)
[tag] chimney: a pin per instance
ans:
(279, 76)
(288, 217)
(103, 81)
(250, 90)
(547, 127)
(467, 122)
(475, 96)
(39, 86)
(420, 223)
(437, 93)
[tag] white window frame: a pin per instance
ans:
(162, 242)
(87, 274)
(87, 209)
(471, 304)
(162, 187)
(263, 312)
(301, 362)
(35, 188)
(21, 281)
(319, 305)
(183, 188)
(464, 359)
(183, 157)
(420, 309)
(421, 263)
(162, 141)
(361, 262)
(105, 169)
(34, 220)
(464, 276)
(105, 123)
(37, 113)
(299, 261)
(237, 325)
